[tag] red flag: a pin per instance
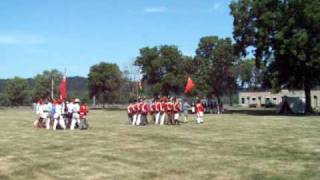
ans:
(189, 86)
(63, 88)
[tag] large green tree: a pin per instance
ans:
(16, 91)
(285, 35)
(43, 82)
(215, 60)
(105, 81)
(163, 69)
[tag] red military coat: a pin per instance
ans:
(176, 108)
(84, 109)
(199, 107)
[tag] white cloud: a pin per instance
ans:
(20, 39)
(159, 9)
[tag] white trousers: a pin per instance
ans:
(199, 117)
(75, 119)
(47, 120)
(138, 119)
(163, 117)
(59, 120)
(134, 119)
(157, 118)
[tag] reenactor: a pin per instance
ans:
(170, 111)
(75, 114)
(46, 114)
(84, 110)
(131, 112)
(158, 110)
(136, 113)
(176, 111)
(200, 111)
(58, 118)
(163, 110)
(152, 110)
(144, 113)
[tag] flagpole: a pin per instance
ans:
(52, 88)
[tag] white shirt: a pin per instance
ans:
(70, 107)
(44, 108)
(38, 108)
(76, 108)
(58, 109)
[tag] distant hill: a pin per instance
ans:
(74, 84)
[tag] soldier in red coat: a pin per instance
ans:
(158, 110)
(176, 110)
(170, 111)
(163, 110)
(139, 118)
(200, 111)
(144, 112)
(135, 113)
(152, 110)
(131, 112)
(84, 110)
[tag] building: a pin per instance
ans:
(267, 98)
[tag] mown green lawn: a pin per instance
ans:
(230, 146)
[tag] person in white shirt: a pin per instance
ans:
(45, 114)
(75, 114)
(58, 118)
(39, 112)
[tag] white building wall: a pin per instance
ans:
(260, 97)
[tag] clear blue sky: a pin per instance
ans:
(36, 35)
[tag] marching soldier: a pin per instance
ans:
(152, 110)
(170, 111)
(163, 110)
(176, 111)
(84, 109)
(158, 110)
(39, 122)
(200, 111)
(136, 113)
(131, 112)
(46, 114)
(144, 112)
(58, 118)
(75, 114)
(139, 118)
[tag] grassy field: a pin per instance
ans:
(230, 146)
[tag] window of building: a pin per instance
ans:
(243, 100)
(274, 98)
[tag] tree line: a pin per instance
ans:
(276, 44)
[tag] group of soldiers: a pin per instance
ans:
(163, 110)
(61, 114)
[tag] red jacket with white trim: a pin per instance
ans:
(199, 107)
